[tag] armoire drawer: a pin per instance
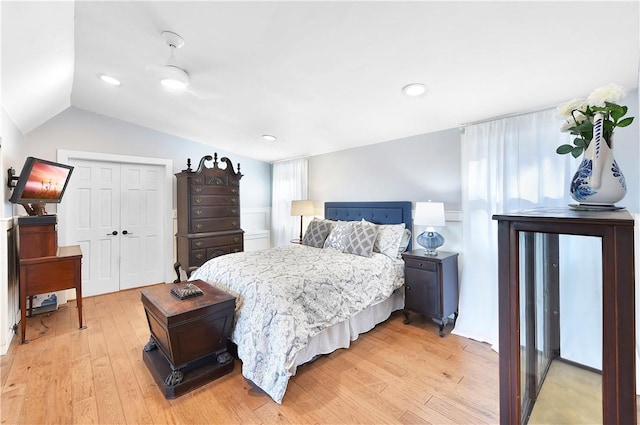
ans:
(200, 256)
(214, 190)
(211, 200)
(213, 241)
(205, 225)
(225, 211)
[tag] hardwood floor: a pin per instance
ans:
(396, 373)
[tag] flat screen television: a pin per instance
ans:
(41, 182)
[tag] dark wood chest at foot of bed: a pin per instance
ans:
(188, 344)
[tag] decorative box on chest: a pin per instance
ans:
(208, 204)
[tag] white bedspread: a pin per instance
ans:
(287, 294)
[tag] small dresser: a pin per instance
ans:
(208, 213)
(431, 285)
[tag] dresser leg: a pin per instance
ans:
(406, 316)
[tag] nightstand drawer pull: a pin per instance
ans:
(421, 264)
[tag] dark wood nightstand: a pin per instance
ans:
(431, 286)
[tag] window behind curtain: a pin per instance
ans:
(290, 182)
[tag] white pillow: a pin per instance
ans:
(389, 239)
(404, 242)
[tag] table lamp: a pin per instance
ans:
(301, 208)
(430, 214)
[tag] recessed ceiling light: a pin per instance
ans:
(414, 89)
(109, 79)
(269, 137)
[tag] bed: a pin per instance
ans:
(299, 301)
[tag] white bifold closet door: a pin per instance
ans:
(114, 211)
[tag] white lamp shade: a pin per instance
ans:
(302, 208)
(429, 214)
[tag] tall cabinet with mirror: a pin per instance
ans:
(531, 291)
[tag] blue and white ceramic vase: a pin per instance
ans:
(598, 181)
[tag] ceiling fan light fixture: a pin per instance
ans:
(174, 77)
(414, 89)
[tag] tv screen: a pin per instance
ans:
(41, 181)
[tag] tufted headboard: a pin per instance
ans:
(374, 212)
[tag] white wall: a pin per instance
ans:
(79, 130)
(10, 155)
(416, 168)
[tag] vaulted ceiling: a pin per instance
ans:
(321, 76)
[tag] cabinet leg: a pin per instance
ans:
(406, 317)
(441, 325)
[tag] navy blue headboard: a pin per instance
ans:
(374, 212)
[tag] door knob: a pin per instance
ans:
(114, 233)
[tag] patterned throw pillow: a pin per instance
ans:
(389, 238)
(362, 238)
(337, 239)
(317, 232)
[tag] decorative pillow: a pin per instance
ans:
(389, 238)
(361, 239)
(338, 236)
(317, 232)
(404, 242)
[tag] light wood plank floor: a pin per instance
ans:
(396, 373)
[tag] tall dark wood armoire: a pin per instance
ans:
(208, 204)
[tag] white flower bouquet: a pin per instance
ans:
(578, 116)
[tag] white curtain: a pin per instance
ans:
(290, 182)
(507, 164)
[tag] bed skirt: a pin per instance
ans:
(341, 334)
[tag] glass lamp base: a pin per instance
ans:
(430, 241)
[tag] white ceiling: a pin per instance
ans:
(321, 76)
